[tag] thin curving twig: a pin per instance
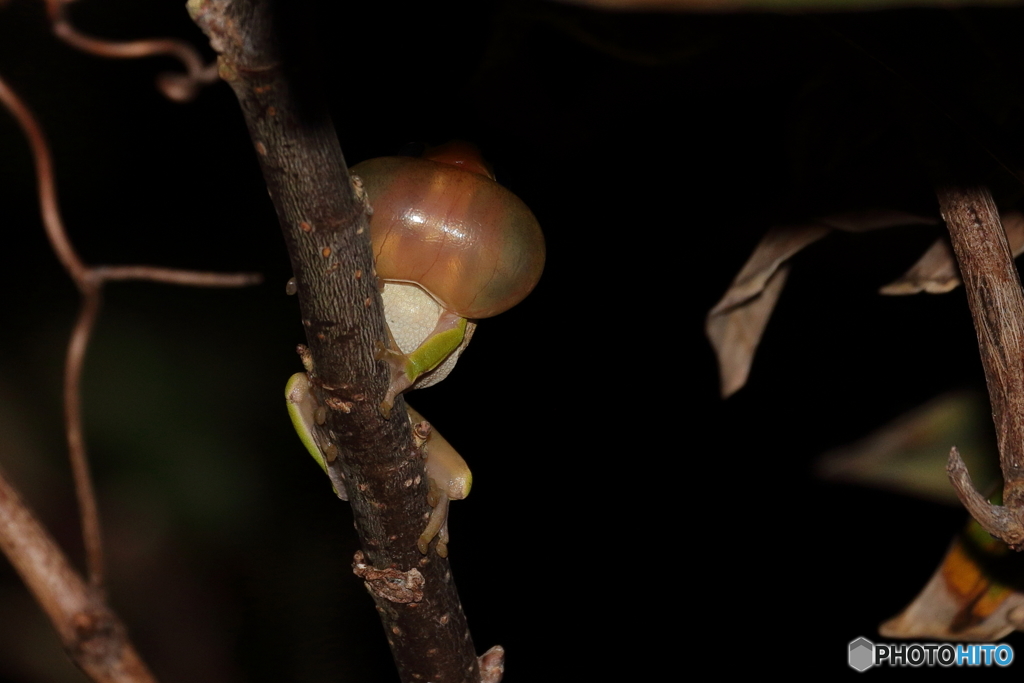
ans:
(92, 534)
(173, 276)
(52, 222)
(89, 281)
(174, 86)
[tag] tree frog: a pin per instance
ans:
(448, 476)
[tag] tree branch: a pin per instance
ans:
(90, 632)
(325, 229)
(90, 281)
(997, 306)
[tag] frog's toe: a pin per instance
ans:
(437, 524)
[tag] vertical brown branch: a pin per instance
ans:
(997, 306)
(325, 228)
(92, 534)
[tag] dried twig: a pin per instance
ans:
(90, 285)
(91, 632)
(177, 87)
(997, 305)
(325, 228)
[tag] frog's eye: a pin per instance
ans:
(442, 223)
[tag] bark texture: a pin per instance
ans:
(324, 221)
(997, 306)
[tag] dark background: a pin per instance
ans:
(620, 508)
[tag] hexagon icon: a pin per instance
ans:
(862, 654)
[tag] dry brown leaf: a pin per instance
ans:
(874, 219)
(963, 601)
(736, 333)
(936, 272)
(736, 323)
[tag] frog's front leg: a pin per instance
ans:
(448, 478)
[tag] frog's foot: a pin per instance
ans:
(402, 375)
(442, 539)
(333, 472)
(437, 525)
